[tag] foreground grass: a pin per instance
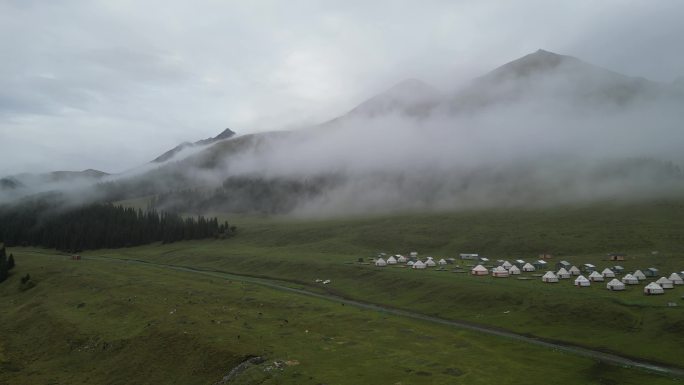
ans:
(114, 323)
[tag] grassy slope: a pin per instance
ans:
(91, 322)
(305, 250)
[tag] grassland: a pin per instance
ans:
(108, 323)
(299, 251)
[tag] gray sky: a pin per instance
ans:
(112, 84)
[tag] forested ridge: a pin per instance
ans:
(95, 226)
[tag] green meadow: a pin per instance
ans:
(98, 321)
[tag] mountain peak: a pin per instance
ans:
(225, 134)
(534, 63)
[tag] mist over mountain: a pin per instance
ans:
(542, 130)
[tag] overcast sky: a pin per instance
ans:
(112, 84)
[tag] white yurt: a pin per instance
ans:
(562, 273)
(528, 267)
(574, 270)
(499, 272)
(629, 279)
(410, 263)
(418, 265)
(639, 275)
(615, 284)
(442, 262)
(676, 279)
(414, 254)
(391, 261)
(665, 283)
(595, 276)
(514, 270)
(581, 281)
(653, 288)
(608, 273)
(549, 277)
(506, 265)
(400, 258)
(380, 262)
(479, 270)
(430, 262)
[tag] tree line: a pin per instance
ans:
(96, 226)
(6, 263)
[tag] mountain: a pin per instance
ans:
(226, 134)
(544, 75)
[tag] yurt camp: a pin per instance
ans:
(581, 281)
(653, 289)
(549, 277)
(514, 270)
(615, 285)
(479, 270)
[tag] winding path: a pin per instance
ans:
(577, 350)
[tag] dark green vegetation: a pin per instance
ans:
(6, 263)
(119, 323)
(38, 222)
